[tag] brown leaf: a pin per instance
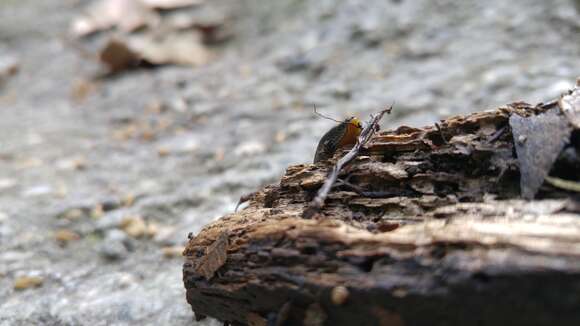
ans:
(117, 56)
(214, 258)
(538, 140)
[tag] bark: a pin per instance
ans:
(426, 227)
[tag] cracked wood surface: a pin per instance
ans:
(445, 241)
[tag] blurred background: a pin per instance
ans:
(126, 124)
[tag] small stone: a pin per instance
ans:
(173, 251)
(126, 280)
(64, 236)
(522, 139)
(134, 226)
(250, 148)
(339, 295)
(152, 229)
(399, 293)
(3, 217)
(162, 151)
(128, 200)
(38, 190)
(219, 154)
(115, 245)
(27, 282)
(74, 163)
(165, 235)
(280, 137)
(97, 211)
(7, 183)
(73, 214)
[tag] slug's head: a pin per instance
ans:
(355, 122)
(353, 129)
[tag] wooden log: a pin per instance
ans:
(427, 227)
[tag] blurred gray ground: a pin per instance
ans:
(229, 127)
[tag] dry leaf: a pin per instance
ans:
(183, 48)
(214, 258)
(127, 15)
(117, 56)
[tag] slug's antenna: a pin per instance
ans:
(324, 116)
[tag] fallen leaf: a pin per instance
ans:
(214, 258)
(538, 139)
(117, 56)
(182, 48)
(126, 15)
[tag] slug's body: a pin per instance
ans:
(344, 134)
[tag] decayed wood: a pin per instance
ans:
(427, 227)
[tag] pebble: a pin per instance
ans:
(172, 251)
(134, 226)
(26, 282)
(7, 183)
(339, 295)
(250, 148)
(64, 236)
(115, 246)
(38, 190)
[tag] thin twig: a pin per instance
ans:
(496, 135)
(366, 134)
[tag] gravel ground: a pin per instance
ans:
(98, 196)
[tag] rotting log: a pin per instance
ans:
(426, 227)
